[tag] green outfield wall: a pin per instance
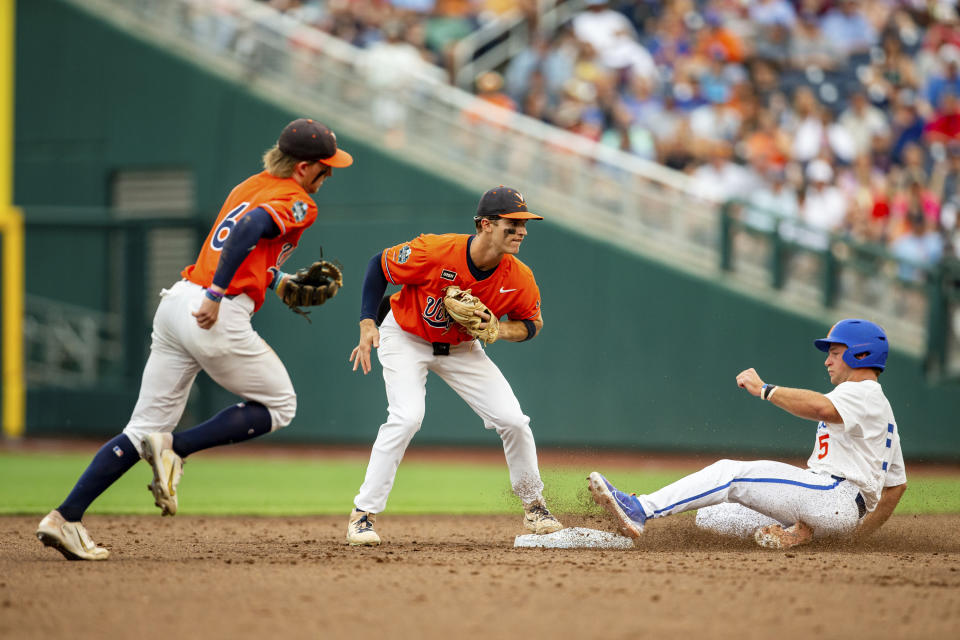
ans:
(634, 353)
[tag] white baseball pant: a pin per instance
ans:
(231, 353)
(736, 497)
(406, 359)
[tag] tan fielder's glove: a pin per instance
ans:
(310, 286)
(460, 306)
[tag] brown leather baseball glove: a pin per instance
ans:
(461, 305)
(310, 286)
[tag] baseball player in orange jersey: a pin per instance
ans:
(203, 322)
(416, 336)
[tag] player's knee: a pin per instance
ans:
(282, 411)
(712, 516)
(408, 421)
(731, 519)
(518, 422)
(725, 466)
(510, 423)
(706, 517)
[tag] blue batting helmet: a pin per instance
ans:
(862, 338)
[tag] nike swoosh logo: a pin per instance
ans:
(502, 290)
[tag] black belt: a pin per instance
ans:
(441, 348)
(861, 504)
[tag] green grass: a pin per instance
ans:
(33, 483)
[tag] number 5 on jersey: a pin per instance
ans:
(824, 444)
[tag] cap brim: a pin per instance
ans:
(340, 159)
(521, 215)
(824, 344)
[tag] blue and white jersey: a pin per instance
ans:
(865, 448)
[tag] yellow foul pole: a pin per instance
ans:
(11, 230)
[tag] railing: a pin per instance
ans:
(68, 345)
(603, 192)
(501, 39)
(102, 336)
(917, 303)
(595, 190)
(946, 336)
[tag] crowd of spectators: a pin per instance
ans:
(843, 114)
(431, 27)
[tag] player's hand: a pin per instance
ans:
(750, 381)
(483, 315)
(369, 339)
(207, 314)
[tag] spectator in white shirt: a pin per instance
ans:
(775, 200)
(824, 207)
(720, 179)
(863, 122)
(392, 68)
(614, 39)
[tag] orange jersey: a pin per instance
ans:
(291, 208)
(428, 264)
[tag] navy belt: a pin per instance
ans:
(861, 504)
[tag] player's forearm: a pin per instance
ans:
(889, 500)
(804, 403)
(518, 330)
(374, 286)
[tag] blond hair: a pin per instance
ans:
(279, 164)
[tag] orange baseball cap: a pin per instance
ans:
(504, 202)
(307, 139)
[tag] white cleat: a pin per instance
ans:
(538, 519)
(167, 470)
(360, 531)
(69, 538)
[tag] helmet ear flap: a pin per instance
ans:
(850, 357)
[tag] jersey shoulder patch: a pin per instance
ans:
(299, 210)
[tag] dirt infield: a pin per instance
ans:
(460, 577)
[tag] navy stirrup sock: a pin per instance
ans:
(112, 461)
(234, 424)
